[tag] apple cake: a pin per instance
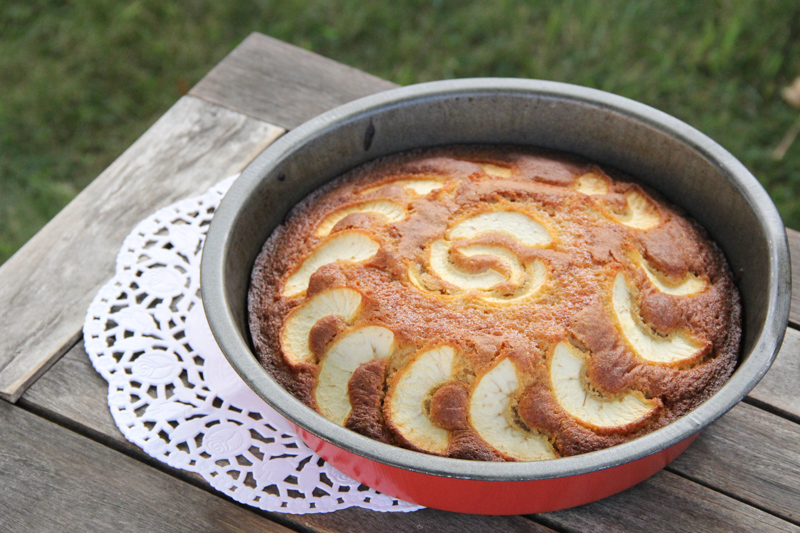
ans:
(494, 303)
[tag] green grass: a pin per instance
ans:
(82, 80)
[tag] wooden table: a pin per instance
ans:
(65, 466)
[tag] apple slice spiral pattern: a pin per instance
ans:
(532, 392)
(525, 278)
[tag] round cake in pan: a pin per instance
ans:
(494, 303)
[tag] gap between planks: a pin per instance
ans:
(733, 496)
(767, 478)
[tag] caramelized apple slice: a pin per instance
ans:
(342, 302)
(568, 376)
(341, 360)
(353, 245)
(535, 276)
(676, 347)
(408, 401)
(689, 286)
(440, 264)
(390, 211)
(493, 419)
(419, 187)
(527, 278)
(591, 184)
(496, 170)
(518, 226)
(640, 214)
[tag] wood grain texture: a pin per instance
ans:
(73, 395)
(794, 251)
(780, 387)
(281, 84)
(55, 480)
(47, 285)
(752, 454)
(668, 503)
(741, 455)
(749, 453)
(357, 520)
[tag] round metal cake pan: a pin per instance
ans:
(685, 166)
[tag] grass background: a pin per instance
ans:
(81, 80)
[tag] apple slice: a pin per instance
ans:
(535, 276)
(591, 184)
(689, 286)
(440, 264)
(341, 360)
(676, 347)
(492, 417)
(529, 278)
(640, 214)
(408, 400)
(419, 187)
(352, 245)
(391, 211)
(568, 376)
(342, 302)
(496, 170)
(518, 226)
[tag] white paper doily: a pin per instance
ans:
(172, 392)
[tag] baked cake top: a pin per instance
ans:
(494, 303)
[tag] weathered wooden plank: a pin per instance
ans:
(55, 480)
(365, 521)
(47, 285)
(667, 503)
(749, 453)
(794, 251)
(752, 454)
(779, 387)
(72, 394)
(282, 84)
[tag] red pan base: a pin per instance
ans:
(493, 497)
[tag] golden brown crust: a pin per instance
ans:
(420, 283)
(449, 409)
(322, 334)
(365, 390)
